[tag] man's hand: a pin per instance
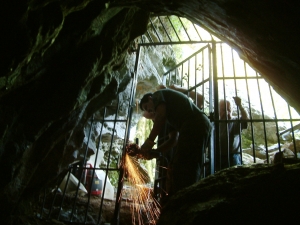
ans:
(147, 155)
(147, 146)
(238, 101)
(244, 113)
(151, 154)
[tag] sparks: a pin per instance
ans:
(142, 197)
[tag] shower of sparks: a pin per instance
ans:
(144, 203)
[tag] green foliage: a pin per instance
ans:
(169, 62)
(173, 27)
(144, 127)
(246, 142)
(114, 176)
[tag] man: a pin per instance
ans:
(230, 133)
(193, 126)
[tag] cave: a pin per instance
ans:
(63, 69)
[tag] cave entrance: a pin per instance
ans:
(195, 60)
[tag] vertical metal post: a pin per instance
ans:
(250, 112)
(275, 116)
(293, 134)
(83, 165)
(116, 218)
(98, 147)
(264, 122)
(215, 112)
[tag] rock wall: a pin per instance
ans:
(60, 74)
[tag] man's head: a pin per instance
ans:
(146, 103)
(149, 115)
(225, 109)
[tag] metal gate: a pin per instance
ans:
(214, 71)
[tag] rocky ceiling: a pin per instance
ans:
(58, 63)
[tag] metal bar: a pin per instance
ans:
(178, 43)
(201, 67)
(198, 85)
(150, 39)
(238, 109)
(225, 102)
(184, 29)
(250, 115)
(240, 78)
(124, 121)
(121, 169)
(293, 134)
(181, 76)
(188, 58)
(110, 149)
(173, 27)
(275, 115)
(170, 77)
(213, 74)
(64, 192)
(264, 122)
(121, 175)
(195, 90)
(234, 79)
(83, 163)
(154, 29)
(94, 170)
(53, 201)
(216, 166)
(188, 73)
(292, 127)
(102, 168)
(197, 32)
(164, 28)
(141, 38)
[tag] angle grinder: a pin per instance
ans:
(134, 150)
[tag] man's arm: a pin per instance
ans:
(244, 113)
(170, 143)
(159, 122)
(164, 147)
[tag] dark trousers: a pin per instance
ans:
(185, 167)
